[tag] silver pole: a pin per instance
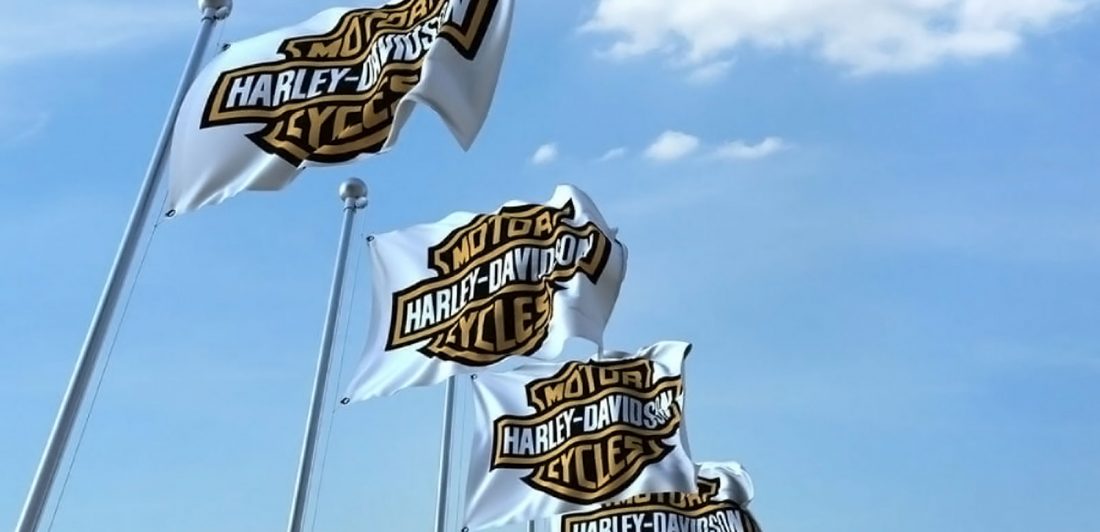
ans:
(39, 494)
(354, 194)
(445, 457)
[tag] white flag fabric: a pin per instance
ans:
(331, 90)
(465, 293)
(558, 438)
(719, 504)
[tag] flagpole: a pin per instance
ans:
(445, 456)
(354, 193)
(39, 493)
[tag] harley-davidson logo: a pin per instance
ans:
(334, 96)
(497, 276)
(667, 512)
(597, 426)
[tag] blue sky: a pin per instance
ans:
(893, 300)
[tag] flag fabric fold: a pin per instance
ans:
(331, 90)
(720, 503)
(472, 290)
(558, 438)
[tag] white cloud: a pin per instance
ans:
(740, 150)
(613, 154)
(71, 29)
(39, 30)
(672, 145)
(864, 36)
(546, 154)
(22, 127)
(709, 72)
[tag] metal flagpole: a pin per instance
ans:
(445, 456)
(212, 12)
(354, 193)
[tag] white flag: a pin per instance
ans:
(469, 291)
(558, 438)
(331, 90)
(719, 504)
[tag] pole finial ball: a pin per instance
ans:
(353, 188)
(215, 4)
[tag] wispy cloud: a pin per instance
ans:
(862, 36)
(672, 146)
(740, 150)
(41, 34)
(22, 127)
(709, 72)
(545, 154)
(39, 30)
(613, 154)
(20, 119)
(677, 145)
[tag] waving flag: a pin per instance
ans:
(719, 504)
(472, 290)
(332, 90)
(557, 438)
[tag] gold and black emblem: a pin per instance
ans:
(333, 96)
(595, 428)
(497, 276)
(667, 512)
